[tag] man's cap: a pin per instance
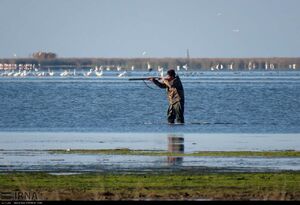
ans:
(171, 72)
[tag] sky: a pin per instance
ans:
(150, 28)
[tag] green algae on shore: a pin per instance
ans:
(153, 186)
(125, 151)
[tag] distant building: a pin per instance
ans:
(44, 55)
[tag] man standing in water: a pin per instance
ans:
(175, 93)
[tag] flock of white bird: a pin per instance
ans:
(93, 72)
(96, 72)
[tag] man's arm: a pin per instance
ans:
(159, 84)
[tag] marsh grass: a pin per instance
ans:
(177, 185)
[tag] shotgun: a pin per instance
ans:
(145, 78)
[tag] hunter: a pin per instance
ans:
(173, 85)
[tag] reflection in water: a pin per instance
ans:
(175, 146)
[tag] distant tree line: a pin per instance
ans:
(50, 60)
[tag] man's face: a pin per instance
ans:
(169, 78)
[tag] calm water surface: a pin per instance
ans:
(29, 152)
(228, 102)
(38, 114)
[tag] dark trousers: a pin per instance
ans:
(176, 111)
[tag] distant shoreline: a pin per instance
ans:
(201, 64)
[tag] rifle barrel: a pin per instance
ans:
(138, 79)
(143, 78)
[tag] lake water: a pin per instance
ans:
(28, 151)
(224, 111)
(223, 102)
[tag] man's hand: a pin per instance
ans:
(167, 78)
(156, 78)
(166, 82)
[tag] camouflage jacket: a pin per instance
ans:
(174, 89)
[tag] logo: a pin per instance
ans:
(19, 196)
(6, 196)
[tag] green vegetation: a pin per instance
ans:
(175, 185)
(286, 153)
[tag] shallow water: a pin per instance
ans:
(28, 152)
(193, 142)
(38, 161)
(224, 102)
(38, 114)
